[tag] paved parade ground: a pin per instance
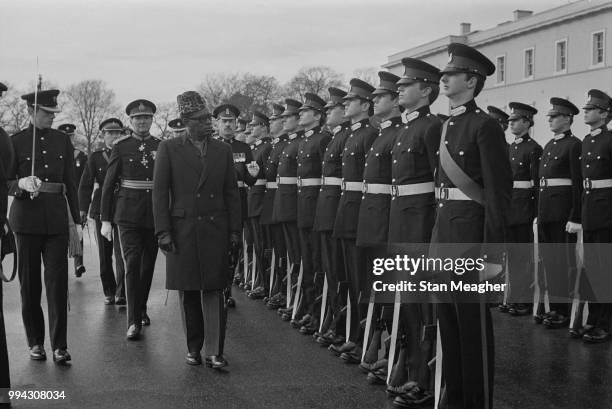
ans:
(271, 364)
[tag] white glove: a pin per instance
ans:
(107, 231)
(489, 271)
(572, 227)
(30, 184)
(253, 168)
(79, 232)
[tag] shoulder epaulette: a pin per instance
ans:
(123, 138)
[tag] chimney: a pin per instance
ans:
(465, 28)
(519, 14)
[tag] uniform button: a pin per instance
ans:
(148, 191)
(394, 160)
(437, 152)
(446, 142)
(460, 153)
(393, 180)
(544, 165)
(212, 218)
(366, 164)
(588, 166)
(556, 158)
(378, 154)
(371, 149)
(516, 147)
(409, 149)
(521, 163)
(99, 169)
(548, 153)
(352, 153)
(46, 166)
(399, 143)
(440, 204)
(442, 184)
(599, 157)
(451, 123)
(46, 179)
(512, 158)
(42, 138)
(198, 195)
(44, 152)
(588, 153)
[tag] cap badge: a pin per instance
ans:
(227, 111)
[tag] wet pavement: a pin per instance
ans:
(271, 364)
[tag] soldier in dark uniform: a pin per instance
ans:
(226, 116)
(92, 181)
(499, 115)
(261, 151)
(80, 161)
(325, 216)
(177, 126)
(358, 108)
(6, 157)
(596, 214)
(559, 210)
(475, 185)
(411, 218)
(130, 207)
(309, 157)
(524, 154)
(40, 220)
(278, 297)
(285, 200)
(373, 224)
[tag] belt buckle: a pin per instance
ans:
(543, 182)
(444, 193)
(322, 180)
(343, 184)
(364, 188)
(299, 181)
(394, 191)
(278, 179)
(587, 184)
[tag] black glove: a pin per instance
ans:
(165, 243)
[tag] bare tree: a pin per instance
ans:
(315, 79)
(166, 112)
(367, 74)
(217, 88)
(13, 111)
(87, 103)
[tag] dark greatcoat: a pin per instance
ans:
(196, 200)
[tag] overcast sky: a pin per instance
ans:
(156, 49)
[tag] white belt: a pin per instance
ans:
(555, 182)
(285, 180)
(271, 185)
(522, 184)
(260, 182)
(241, 183)
(352, 186)
(596, 184)
(331, 181)
(96, 185)
(450, 193)
(412, 189)
(376, 188)
(308, 182)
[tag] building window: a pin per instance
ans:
(501, 69)
(561, 56)
(598, 48)
(529, 63)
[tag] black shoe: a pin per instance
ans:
(539, 318)
(340, 349)
(374, 366)
(120, 301)
(518, 310)
(61, 356)
(133, 333)
(257, 294)
(230, 302)
(596, 336)
(401, 389)
(578, 333)
(37, 353)
(416, 398)
(79, 271)
(353, 356)
(109, 300)
(145, 320)
(309, 329)
(216, 362)
(193, 358)
(556, 320)
(378, 377)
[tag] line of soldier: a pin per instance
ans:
(320, 205)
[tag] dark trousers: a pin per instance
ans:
(597, 263)
(54, 252)
(520, 263)
(355, 270)
(558, 254)
(139, 249)
(203, 314)
(292, 242)
(106, 249)
(258, 250)
(417, 330)
(5, 376)
(277, 238)
(311, 260)
(462, 329)
(78, 260)
(333, 265)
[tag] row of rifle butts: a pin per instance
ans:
(304, 200)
